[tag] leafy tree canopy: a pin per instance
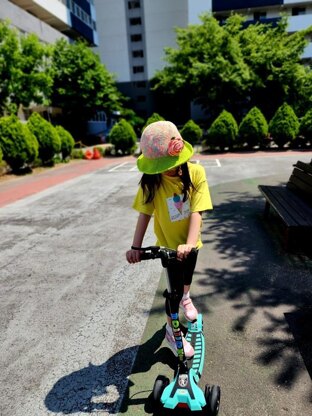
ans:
(235, 67)
(24, 78)
(81, 84)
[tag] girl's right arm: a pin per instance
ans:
(133, 256)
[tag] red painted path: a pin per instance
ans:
(17, 188)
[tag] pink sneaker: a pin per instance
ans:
(190, 312)
(188, 349)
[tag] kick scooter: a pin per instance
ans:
(183, 391)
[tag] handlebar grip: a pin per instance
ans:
(147, 256)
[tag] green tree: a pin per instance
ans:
(33, 78)
(81, 85)
(253, 129)
(19, 145)
(9, 55)
(191, 132)
(236, 67)
(284, 125)
(274, 59)
(223, 131)
(46, 134)
(24, 75)
(123, 137)
(207, 66)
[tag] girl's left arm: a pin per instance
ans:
(192, 237)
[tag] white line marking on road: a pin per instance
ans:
(117, 167)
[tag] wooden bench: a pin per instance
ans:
(293, 202)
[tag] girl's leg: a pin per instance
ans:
(173, 298)
(186, 303)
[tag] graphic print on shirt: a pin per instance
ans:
(178, 210)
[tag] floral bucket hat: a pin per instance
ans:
(162, 148)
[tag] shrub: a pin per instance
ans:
(305, 128)
(284, 125)
(46, 134)
(223, 131)
(191, 132)
(1, 154)
(77, 154)
(18, 144)
(67, 141)
(154, 117)
(253, 129)
(123, 137)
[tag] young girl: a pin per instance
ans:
(176, 193)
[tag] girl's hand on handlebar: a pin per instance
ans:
(184, 250)
(133, 256)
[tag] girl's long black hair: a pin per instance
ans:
(150, 184)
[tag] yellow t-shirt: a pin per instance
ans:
(171, 214)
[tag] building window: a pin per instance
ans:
(259, 15)
(138, 69)
(136, 38)
(140, 84)
(133, 5)
(298, 11)
(141, 99)
(134, 21)
(138, 53)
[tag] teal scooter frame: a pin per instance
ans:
(183, 391)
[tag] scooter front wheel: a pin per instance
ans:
(212, 396)
(160, 384)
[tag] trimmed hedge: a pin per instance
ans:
(284, 126)
(67, 141)
(223, 131)
(253, 129)
(46, 134)
(154, 117)
(19, 145)
(191, 132)
(305, 128)
(123, 137)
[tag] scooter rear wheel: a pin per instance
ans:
(212, 396)
(160, 384)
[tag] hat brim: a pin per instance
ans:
(162, 164)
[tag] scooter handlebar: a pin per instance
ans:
(156, 252)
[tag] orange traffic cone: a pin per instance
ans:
(96, 153)
(88, 154)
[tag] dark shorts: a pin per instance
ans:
(180, 273)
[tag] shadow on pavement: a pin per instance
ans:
(300, 324)
(261, 277)
(102, 387)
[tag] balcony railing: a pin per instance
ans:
(227, 5)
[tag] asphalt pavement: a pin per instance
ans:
(255, 298)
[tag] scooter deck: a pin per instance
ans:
(183, 390)
(196, 338)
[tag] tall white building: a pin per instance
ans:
(132, 38)
(52, 19)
